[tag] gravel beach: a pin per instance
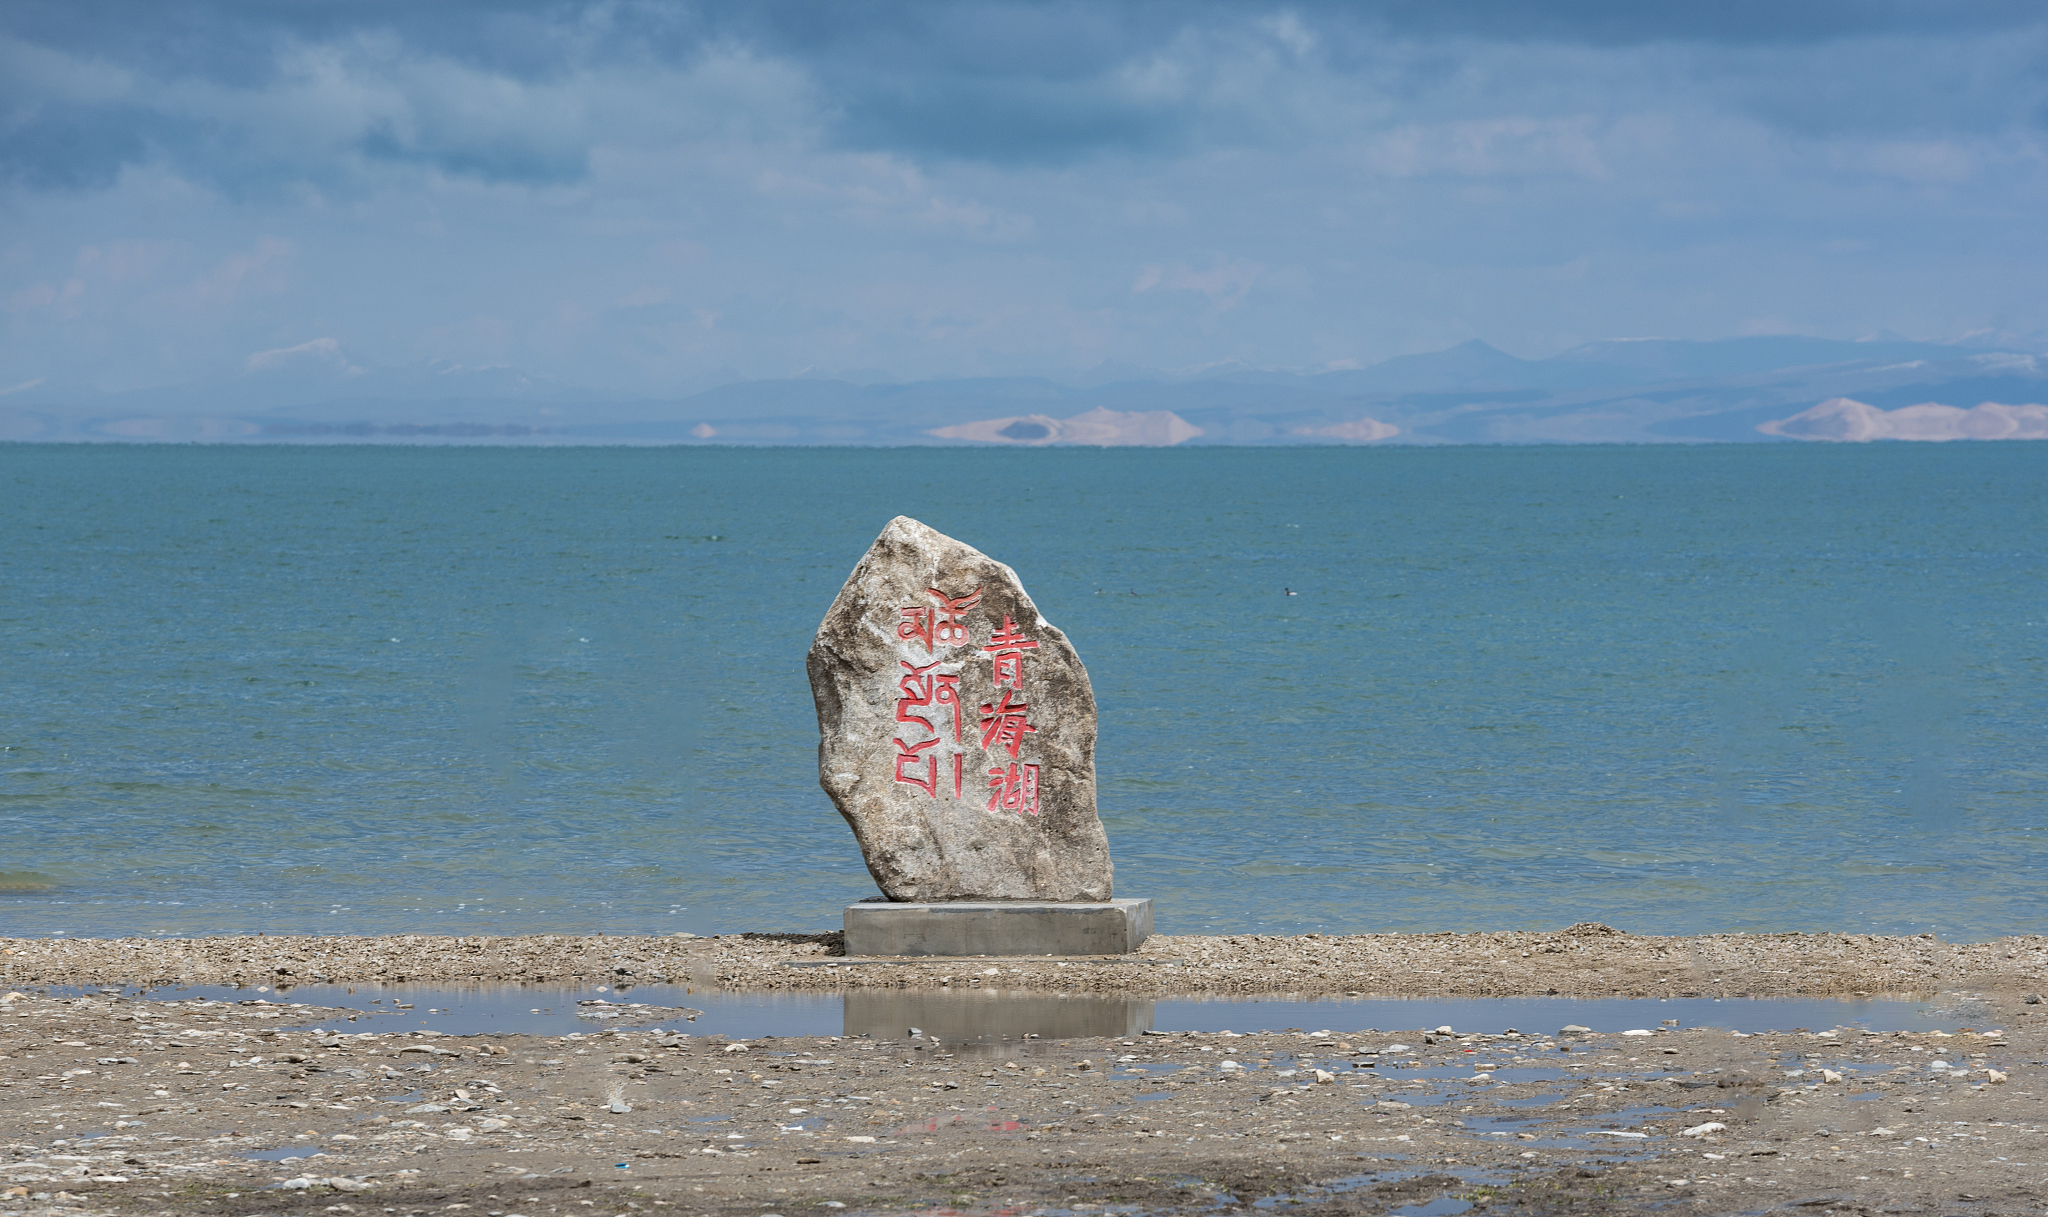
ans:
(1586, 960)
(110, 1104)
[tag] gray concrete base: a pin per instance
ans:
(998, 927)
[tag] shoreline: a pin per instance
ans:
(1586, 960)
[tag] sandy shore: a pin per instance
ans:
(110, 1105)
(1583, 961)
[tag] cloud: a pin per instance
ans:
(1097, 428)
(319, 350)
(639, 194)
(1490, 147)
(260, 268)
(246, 96)
(188, 430)
(1844, 420)
(348, 108)
(1358, 431)
(1225, 284)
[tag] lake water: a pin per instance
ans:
(362, 690)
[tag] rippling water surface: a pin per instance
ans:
(488, 690)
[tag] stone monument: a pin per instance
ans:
(956, 734)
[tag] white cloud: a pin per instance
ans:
(1225, 284)
(261, 268)
(320, 350)
(179, 429)
(527, 189)
(880, 192)
(1914, 161)
(644, 296)
(1845, 420)
(1358, 431)
(61, 301)
(1490, 148)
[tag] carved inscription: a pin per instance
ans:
(927, 691)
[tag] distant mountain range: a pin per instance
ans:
(1650, 390)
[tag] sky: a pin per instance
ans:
(647, 198)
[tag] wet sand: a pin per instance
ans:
(1583, 961)
(115, 1105)
(111, 1105)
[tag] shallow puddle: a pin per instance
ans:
(994, 1018)
(1439, 1207)
(1614, 1134)
(287, 1154)
(1545, 1015)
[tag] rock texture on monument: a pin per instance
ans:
(956, 728)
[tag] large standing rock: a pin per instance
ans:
(956, 728)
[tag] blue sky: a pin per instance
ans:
(647, 198)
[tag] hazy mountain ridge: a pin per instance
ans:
(1635, 390)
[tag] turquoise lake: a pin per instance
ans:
(487, 690)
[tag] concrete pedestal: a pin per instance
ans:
(997, 927)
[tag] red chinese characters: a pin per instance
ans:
(1006, 721)
(1014, 789)
(1006, 649)
(924, 689)
(1003, 724)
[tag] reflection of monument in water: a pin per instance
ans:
(991, 1019)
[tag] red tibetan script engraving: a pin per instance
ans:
(922, 688)
(938, 624)
(1014, 789)
(916, 623)
(929, 783)
(1006, 647)
(1003, 724)
(948, 694)
(950, 632)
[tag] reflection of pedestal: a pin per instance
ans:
(998, 927)
(993, 1019)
